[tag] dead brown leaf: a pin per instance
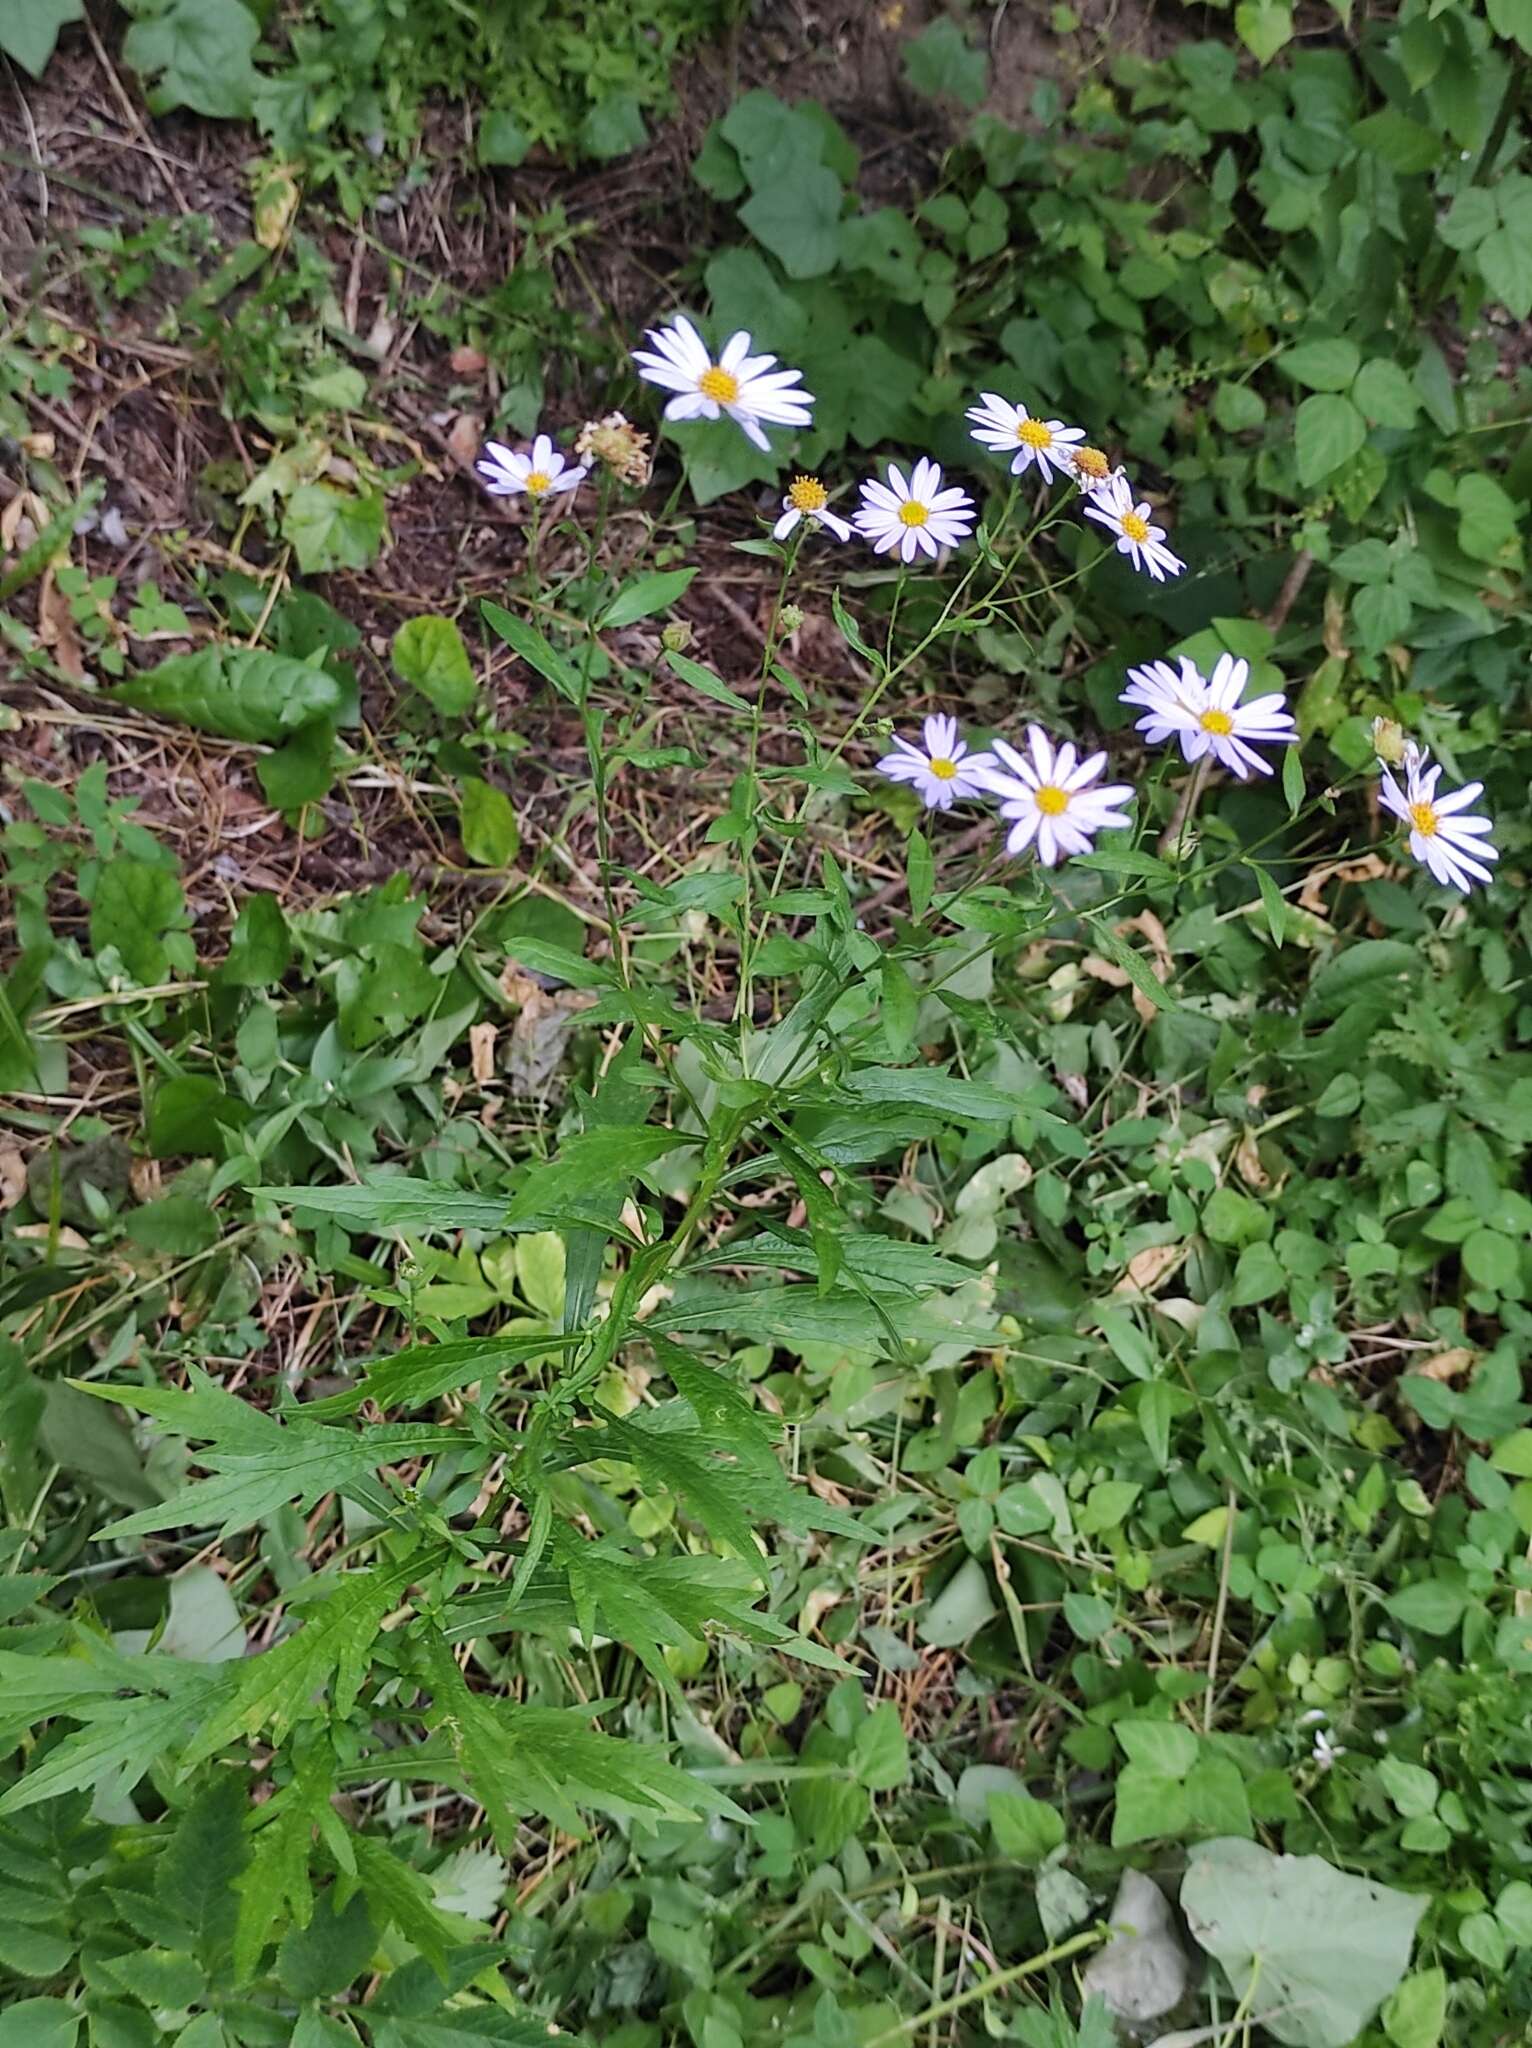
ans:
(13, 1176)
(1148, 1268)
(36, 1233)
(1446, 1365)
(465, 435)
(481, 1051)
(1247, 1157)
(1368, 867)
(146, 1180)
(544, 1020)
(816, 1607)
(56, 628)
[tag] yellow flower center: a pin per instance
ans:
(807, 494)
(722, 386)
(942, 768)
(1052, 801)
(1215, 721)
(913, 513)
(1033, 434)
(538, 481)
(1091, 462)
(1423, 818)
(1134, 527)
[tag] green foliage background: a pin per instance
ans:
(1119, 1343)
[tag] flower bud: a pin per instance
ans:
(676, 637)
(791, 617)
(1388, 741)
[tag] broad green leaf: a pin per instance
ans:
(330, 528)
(1027, 1830)
(1385, 394)
(880, 1750)
(1505, 263)
(1512, 19)
(28, 32)
(331, 1952)
(501, 138)
(428, 653)
(1329, 430)
(487, 824)
(1329, 365)
(302, 769)
(206, 1853)
(614, 127)
(1264, 27)
(240, 693)
(1322, 1949)
(198, 53)
(942, 64)
(136, 906)
(960, 1610)
(1416, 2014)
(797, 217)
(1404, 145)
(260, 945)
(40, 2023)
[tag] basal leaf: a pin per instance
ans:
(1316, 1950)
(240, 693)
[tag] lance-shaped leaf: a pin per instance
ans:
(260, 1463)
(120, 1739)
(397, 1204)
(275, 1888)
(517, 1760)
(590, 1163)
(282, 1686)
(422, 1373)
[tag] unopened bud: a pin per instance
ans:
(1388, 741)
(676, 637)
(791, 617)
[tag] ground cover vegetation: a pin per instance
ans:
(763, 1155)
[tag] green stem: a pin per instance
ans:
(988, 1986)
